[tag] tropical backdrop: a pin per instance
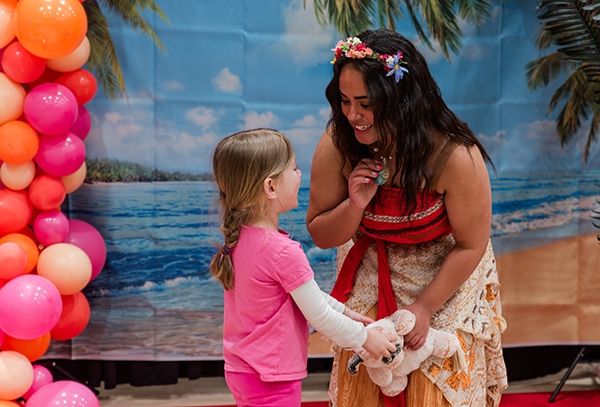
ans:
(211, 68)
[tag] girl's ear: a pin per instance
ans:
(269, 188)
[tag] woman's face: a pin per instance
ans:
(355, 105)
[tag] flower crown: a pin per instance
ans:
(354, 48)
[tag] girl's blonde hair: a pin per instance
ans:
(241, 163)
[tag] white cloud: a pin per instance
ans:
(172, 86)
(227, 82)
(203, 117)
(305, 41)
(254, 119)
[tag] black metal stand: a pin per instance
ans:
(568, 373)
(53, 365)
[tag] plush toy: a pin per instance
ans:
(391, 374)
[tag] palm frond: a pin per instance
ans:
(571, 26)
(103, 61)
(433, 19)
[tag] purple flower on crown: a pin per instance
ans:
(395, 67)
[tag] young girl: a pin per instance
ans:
(270, 291)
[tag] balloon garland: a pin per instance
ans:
(46, 259)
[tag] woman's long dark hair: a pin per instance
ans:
(403, 112)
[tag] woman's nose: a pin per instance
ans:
(354, 113)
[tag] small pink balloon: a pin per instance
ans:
(51, 227)
(30, 306)
(13, 260)
(41, 377)
(82, 126)
(88, 239)
(63, 393)
(50, 108)
(61, 154)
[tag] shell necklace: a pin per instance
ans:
(384, 174)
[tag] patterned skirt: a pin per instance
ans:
(473, 314)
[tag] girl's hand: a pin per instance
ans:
(416, 338)
(350, 313)
(378, 344)
(361, 187)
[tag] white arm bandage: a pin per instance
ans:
(325, 314)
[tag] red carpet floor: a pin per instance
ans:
(588, 398)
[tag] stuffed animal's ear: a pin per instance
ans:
(353, 363)
(405, 321)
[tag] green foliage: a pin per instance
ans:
(106, 170)
(571, 26)
(437, 19)
(103, 61)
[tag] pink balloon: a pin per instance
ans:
(50, 108)
(30, 306)
(61, 154)
(88, 239)
(82, 126)
(63, 393)
(13, 260)
(41, 377)
(51, 227)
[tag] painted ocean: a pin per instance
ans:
(155, 299)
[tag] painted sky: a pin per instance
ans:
(231, 64)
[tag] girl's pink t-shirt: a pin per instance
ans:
(264, 332)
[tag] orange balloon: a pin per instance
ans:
(19, 142)
(4, 403)
(27, 244)
(50, 28)
(7, 30)
(32, 349)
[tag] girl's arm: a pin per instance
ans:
(330, 321)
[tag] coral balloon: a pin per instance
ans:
(47, 192)
(16, 375)
(73, 182)
(30, 306)
(5, 403)
(74, 318)
(13, 259)
(41, 377)
(17, 177)
(7, 29)
(15, 210)
(67, 266)
(12, 99)
(60, 154)
(32, 349)
(51, 227)
(87, 238)
(50, 108)
(63, 393)
(81, 82)
(83, 124)
(19, 142)
(21, 65)
(47, 76)
(50, 28)
(74, 60)
(28, 244)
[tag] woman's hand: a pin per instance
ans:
(416, 338)
(361, 187)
